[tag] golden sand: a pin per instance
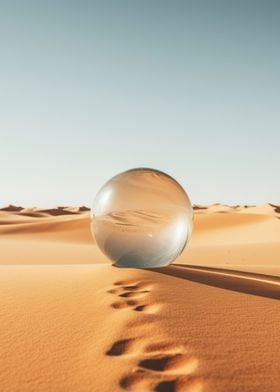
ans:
(69, 321)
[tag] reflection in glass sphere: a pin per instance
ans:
(142, 218)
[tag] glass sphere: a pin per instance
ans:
(142, 218)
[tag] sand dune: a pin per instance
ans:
(237, 238)
(70, 321)
(59, 239)
(11, 208)
(276, 208)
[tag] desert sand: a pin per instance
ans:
(70, 321)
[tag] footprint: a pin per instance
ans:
(173, 364)
(150, 309)
(133, 294)
(161, 367)
(145, 382)
(138, 381)
(121, 347)
(182, 385)
(123, 304)
(134, 290)
(133, 285)
(140, 308)
(119, 290)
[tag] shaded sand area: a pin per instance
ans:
(69, 321)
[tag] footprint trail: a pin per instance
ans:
(132, 295)
(156, 366)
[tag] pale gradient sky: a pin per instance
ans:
(91, 88)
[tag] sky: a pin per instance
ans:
(89, 89)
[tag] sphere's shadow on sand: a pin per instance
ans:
(243, 282)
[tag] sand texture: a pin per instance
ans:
(69, 321)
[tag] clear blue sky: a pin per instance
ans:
(92, 88)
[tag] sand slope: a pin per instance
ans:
(52, 239)
(69, 321)
(236, 237)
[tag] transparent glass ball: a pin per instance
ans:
(142, 218)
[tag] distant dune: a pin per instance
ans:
(11, 208)
(70, 321)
